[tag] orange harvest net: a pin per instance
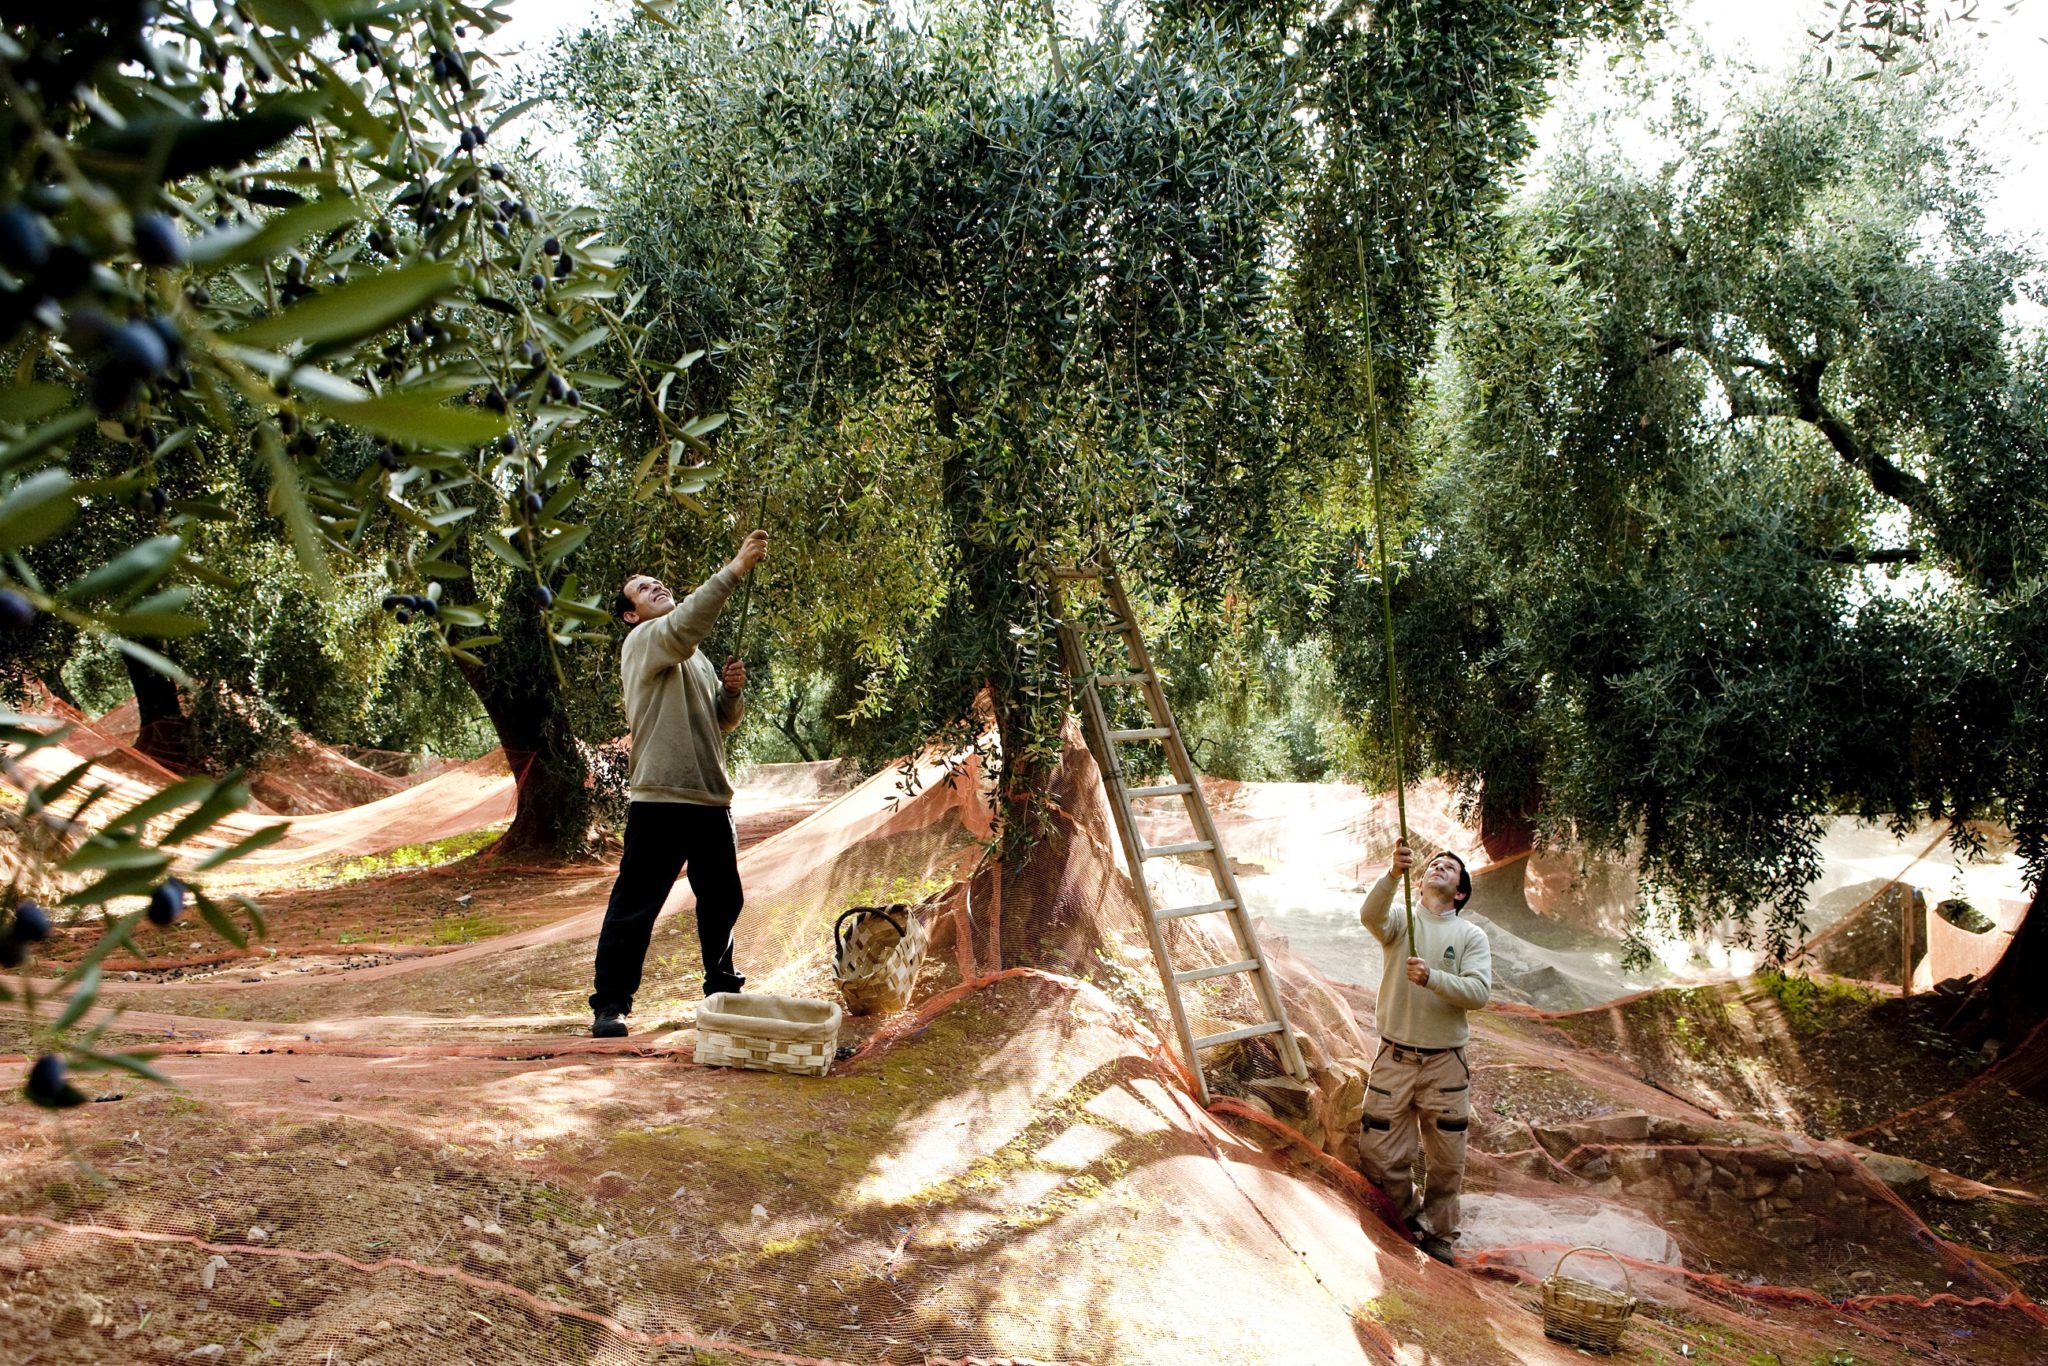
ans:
(422, 1158)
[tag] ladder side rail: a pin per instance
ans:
(1095, 719)
(1095, 726)
(1182, 766)
(1205, 829)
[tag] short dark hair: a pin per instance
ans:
(1464, 879)
(621, 604)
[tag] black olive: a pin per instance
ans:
(158, 241)
(167, 903)
(31, 923)
(49, 1087)
(24, 240)
(16, 611)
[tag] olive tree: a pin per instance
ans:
(1731, 515)
(267, 247)
(264, 261)
(1039, 293)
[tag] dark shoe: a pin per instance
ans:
(608, 1027)
(732, 984)
(1439, 1248)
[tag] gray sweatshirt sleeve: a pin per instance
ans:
(1473, 987)
(673, 638)
(732, 709)
(1378, 913)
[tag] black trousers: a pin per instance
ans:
(663, 838)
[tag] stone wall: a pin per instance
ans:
(1792, 1196)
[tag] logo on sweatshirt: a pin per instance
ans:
(1450, 953)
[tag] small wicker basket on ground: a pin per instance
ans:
(1582, 1313)
(771, 1033)
(875, 963)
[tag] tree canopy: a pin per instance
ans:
(1727, 521)
(1042, 292)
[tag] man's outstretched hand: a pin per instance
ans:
(734, 676)
(752, 551)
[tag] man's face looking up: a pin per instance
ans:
(1442, 872)
(650, 598)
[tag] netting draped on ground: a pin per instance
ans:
(424, 1159)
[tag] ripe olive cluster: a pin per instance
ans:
(298, 439)
(426, 332)
(360, 43)
(405, 605)
(565, 264)
(444, 63)
(547, 379)
(47, 273)
(47, 1083)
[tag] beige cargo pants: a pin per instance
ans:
(1413, 1098)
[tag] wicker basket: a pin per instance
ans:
(770, 1033)
(1582, 1313)
(876, 962)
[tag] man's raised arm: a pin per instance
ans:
(1377, 913)
(674, 636)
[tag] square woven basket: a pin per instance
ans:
(770, 1033)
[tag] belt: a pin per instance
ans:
(1425, 1052)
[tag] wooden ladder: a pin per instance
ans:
(1138, 673)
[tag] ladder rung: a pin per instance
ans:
(1211, 1040)
(1103, 627)
(1075, 571)
(1123, 680)
(1169, 850)
(1202, 974)
(1164, 790)
(1206, 908)
(1147, 733)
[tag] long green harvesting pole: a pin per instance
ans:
(747, 592)
(1379, 536)
(746, 606)
(1379, 524)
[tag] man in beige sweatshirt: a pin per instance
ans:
(679, 812)
(1420, 1090)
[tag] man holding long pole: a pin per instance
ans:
(680, 799)
(1439, 968)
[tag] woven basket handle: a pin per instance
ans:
(839, 944)
(1626, 1279)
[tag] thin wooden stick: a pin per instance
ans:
(747, 590)
(1379, 521)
